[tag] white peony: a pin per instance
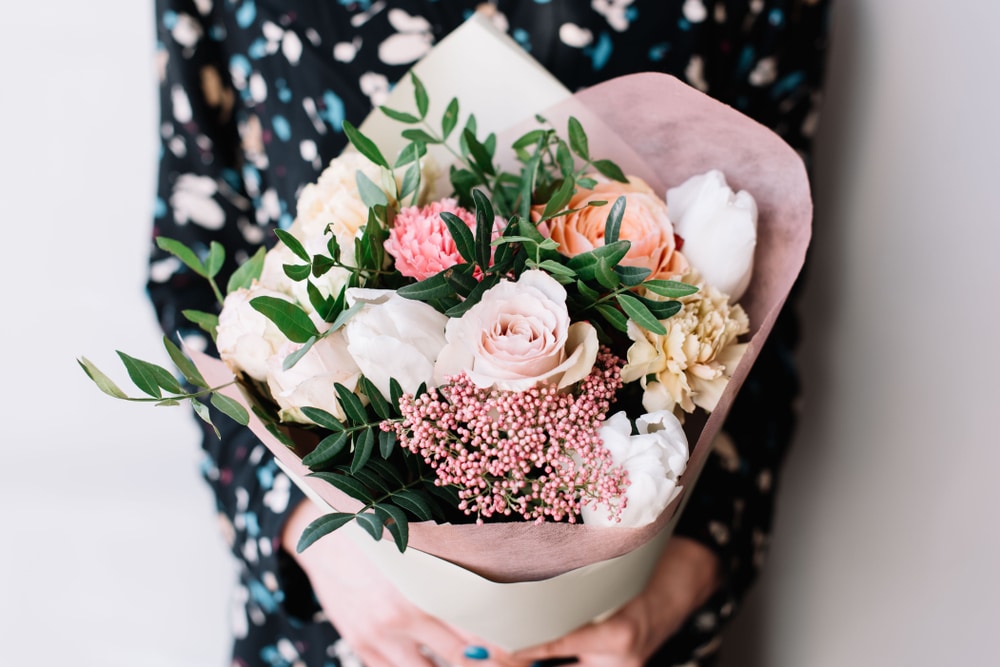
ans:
(719, 228)
(654, 460)
(246, 339)
(519, 335)
(309, 383)
(394, 337)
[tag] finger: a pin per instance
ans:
(596, 638)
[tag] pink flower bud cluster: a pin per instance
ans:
(534, 453)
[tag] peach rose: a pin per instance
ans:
(645, 224)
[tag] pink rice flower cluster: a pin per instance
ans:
(534, 453)
(419, 240)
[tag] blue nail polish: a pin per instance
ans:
(476, 653)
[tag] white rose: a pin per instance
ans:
(719, 228)
(246, 338)
(309, 383)
(334, 200)
(394, 337)
(654, 461)
(517, 336)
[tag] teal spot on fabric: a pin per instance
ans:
(683, 24)
(232, 179)
(522, 37)
(267, 600)
(169, 19)
(658, 52)
(246, 14)
(787, 84)
(253, 526)
(285, 220)
(632, 13)
(600, 52)
(282, 128)
(258, 48)
(251, 177)
(284, 94)
(159, 208)
(240, 63)
(334, 111)
(542, 2)
(746, 60)
(217, 33)
(265, 475)
(776, 17)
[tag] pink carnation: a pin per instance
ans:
(419, 240)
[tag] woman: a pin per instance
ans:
(253, 95)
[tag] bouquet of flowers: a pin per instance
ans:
(499, 345)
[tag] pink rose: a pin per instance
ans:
(517, 336)
(419, 240)
(645, 224)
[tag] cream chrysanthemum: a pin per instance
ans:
(690, 365)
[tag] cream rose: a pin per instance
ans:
(309, 383)
(719, 228)
(245, 338)
(654, 460)
(645, 224)
(394, 337)
(517, 336)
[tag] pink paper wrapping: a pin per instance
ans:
(670, 132)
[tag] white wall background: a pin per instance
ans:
(887, 542)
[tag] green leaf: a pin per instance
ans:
(183, 253)
(371, 479)
(364, 445)
(480, 155)
(411, 180)
(395, 392)
(293, 244)
(639, 313)
(323, 418)
(420, 136)
(345, 483)
(371, 523)
(662, 310)
(216, 258)
(149, 377)
(565, 159)
(247, 272)
(434, 287)
(292, 359)
(375, 398)
(387, 472)
(345, 315)
(578, 139)
(322, 527)
(230, 408)
(613, 225)
(474, 296)
(351, 405)
(371, 194)
(671, 289)
(611, 170)
(414, 503)
(530, 138)
(103, 382)
(586, 292)
(386, 443)
(290, 319)
(412, 152)
(614, 316)
(364, 145)
(400, 116)
(297, 272)
(420, 95)
(399, 526)
(465, 243)
(555, 268)
(450, 118)
(203, 413)
(326, 451)
(632, 275)
(184, 365)
(559, 199)
(207, 322)
(605, 274)
(485, 217)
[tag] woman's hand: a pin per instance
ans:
(382, 627)
(685, 577)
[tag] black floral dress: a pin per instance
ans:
(253, 94)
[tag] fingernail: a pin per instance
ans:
(476, 653)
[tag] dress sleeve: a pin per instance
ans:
(201, 198)
(774, 76)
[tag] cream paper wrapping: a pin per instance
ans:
(517, 584)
